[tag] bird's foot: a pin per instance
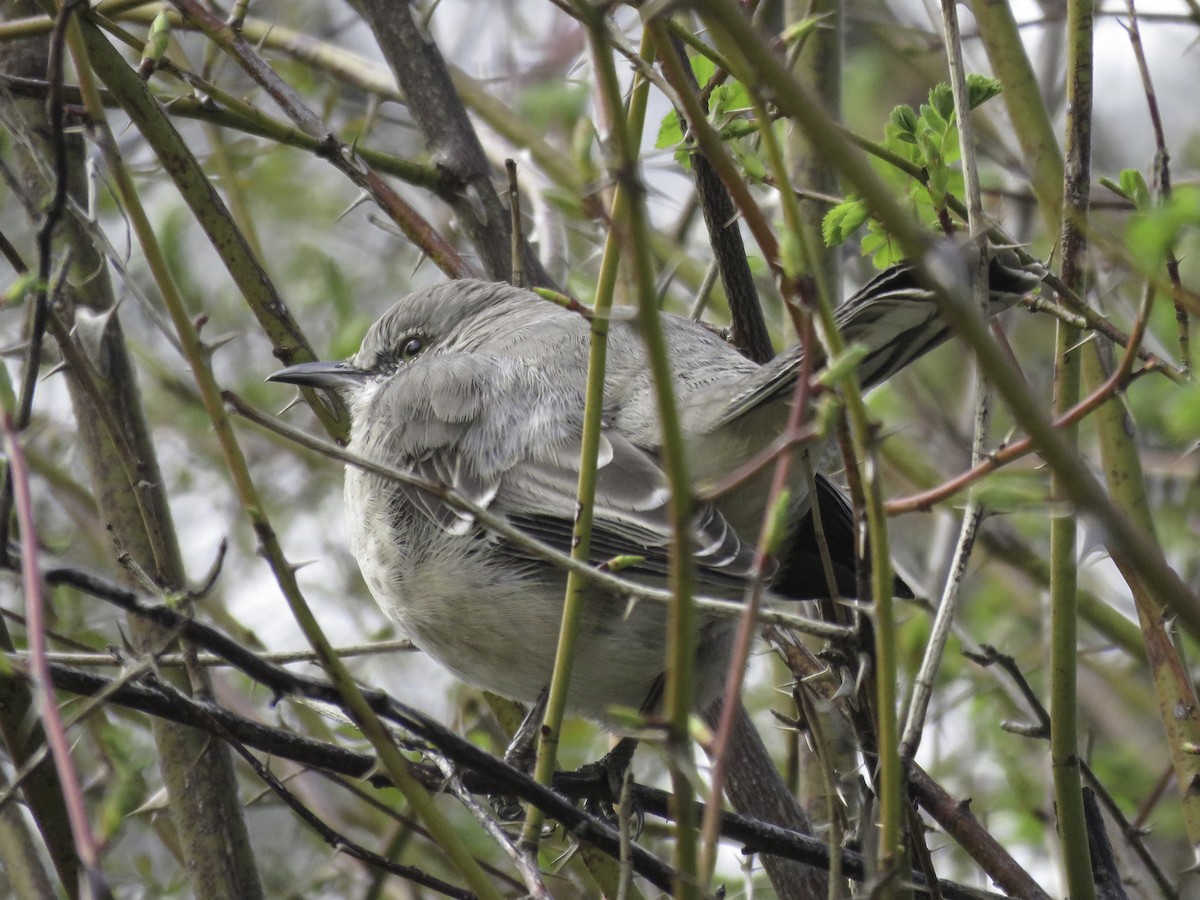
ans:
(520, 754)
(600, 784)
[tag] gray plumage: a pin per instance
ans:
(480, 387)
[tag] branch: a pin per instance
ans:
(435, 104)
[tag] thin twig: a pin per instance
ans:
(169, 660)
(342, 157)
(514, 205)
(54, 210)
(334, 839)
(1162, 161)
(500, 526)
(1134, 835)
(85, 842)
(980, 436)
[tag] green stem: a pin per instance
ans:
(1064, 573)
(735, 30)
(593, 427)
(681, 624)
(198, 358)
(1128, 544)
(1023, 99)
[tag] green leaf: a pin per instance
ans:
(157, 41)
(941, 99)
(842, 221)
(932, 126)
(800, 30)
(728, 97)
(930, 147)
(1152, 233)
(878, 245)
(981, 89)
(1107, 182)
(1133, 183)
(752, 163)
(703, 68)
(623, 561)
(904, 120)
(22, 287)
(670, 132)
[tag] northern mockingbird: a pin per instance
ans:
(480, 387)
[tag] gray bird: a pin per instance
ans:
(480, 387)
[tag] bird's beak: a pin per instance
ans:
(330, 375)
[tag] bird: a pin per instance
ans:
(479, 388)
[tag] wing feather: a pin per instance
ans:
(492, 429)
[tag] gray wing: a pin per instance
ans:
(506, 436)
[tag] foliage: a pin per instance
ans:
(309, 201)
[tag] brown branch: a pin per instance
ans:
(341, 156)
(749, 329)
(925, 500)
(435, 104)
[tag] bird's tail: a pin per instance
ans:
(896, 318)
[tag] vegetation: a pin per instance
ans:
(194, 197)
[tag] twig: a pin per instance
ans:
(989, 655)
(284, 682)
(524, 861)
(749, 329)
(56, 738)
(167, 660)
(980, 437)
(54, 211)
(518, 239)
(431, 97)
(488, 773)
(338, 841)
(1163, 172)
(610, 583)
(925, 500)
(342, 157)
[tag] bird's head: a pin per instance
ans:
(449, 316)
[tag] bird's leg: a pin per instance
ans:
(606, 775)
(520, 754)
(522, 749)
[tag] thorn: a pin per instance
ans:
(202, 590)
(823, 675)
(296, 401)
(354, 204)
(475, 202)
(211, 347)
(62, 366)
(126, 649)
(89, 331)
(156, 803)
(630, 607)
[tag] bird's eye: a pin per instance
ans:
(411, 347)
